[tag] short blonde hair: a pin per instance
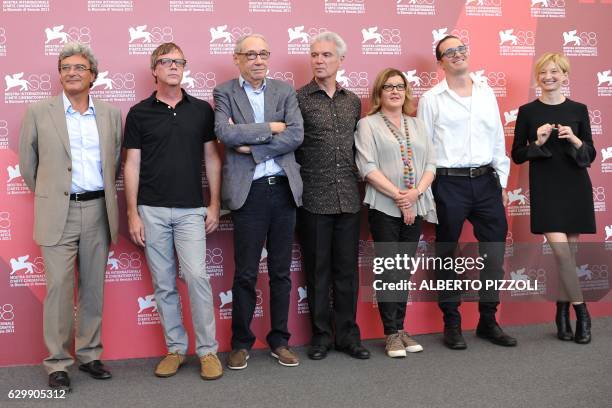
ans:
(377, 90)
(556, 58)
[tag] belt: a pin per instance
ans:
(271, 180)
(470, 172)
(87, 195)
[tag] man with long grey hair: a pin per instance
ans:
(75, 208)
(328, 221)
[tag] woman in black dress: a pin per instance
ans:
(553, 133)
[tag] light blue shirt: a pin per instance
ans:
(84, 148)
(257, 98)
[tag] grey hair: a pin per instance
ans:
(333, 37)
(238, 46)
(77, 48)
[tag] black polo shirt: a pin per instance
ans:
(171, 143)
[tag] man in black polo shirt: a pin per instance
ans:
(166, 136)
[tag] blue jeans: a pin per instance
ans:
(180, 229)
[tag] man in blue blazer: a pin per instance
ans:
(258, 120)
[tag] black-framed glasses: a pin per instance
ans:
(167, 62)
(252, 55)
(451, 52)
(80, 68)
(390, 87)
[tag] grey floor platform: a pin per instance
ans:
(540, 372)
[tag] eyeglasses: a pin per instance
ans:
(80, 68)
(390, 88)
(252, 55)
(451, 52)
(167, 62)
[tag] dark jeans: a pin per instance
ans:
(478, 200)
(330, 248)
(387, 230)
(268, 215)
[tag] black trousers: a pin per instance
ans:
(388, 232)
(479, 201)
(268, 215)
(330, 248)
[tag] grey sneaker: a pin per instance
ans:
(394, 346)
(410, 344)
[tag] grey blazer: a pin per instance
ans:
(45, 162)
(281, 105)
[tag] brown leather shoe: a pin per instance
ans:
(169, 365)
(237, 359)
(285, 356)
(210, 367)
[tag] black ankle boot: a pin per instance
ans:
(564, 328)
(583, 324)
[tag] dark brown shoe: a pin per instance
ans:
(285, 356)
(237, 359)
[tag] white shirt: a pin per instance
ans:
(84, 148)
(465, 134)
(257, 98)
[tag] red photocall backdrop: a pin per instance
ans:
(504, 37)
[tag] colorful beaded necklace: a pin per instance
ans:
(405, 149)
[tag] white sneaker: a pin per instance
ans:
(410, 344)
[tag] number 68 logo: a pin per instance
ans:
(80, 34)
(7, 313)
(595, 116)
(3, 128)
(537, 275)
(5, 220)
(599, 194)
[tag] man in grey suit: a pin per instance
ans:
(69, 153)
(258, 120)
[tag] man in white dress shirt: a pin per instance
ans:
(462, 118)
(69, 151)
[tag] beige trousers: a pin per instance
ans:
(85, 239)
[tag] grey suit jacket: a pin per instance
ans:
(280, 105)
(45, 163)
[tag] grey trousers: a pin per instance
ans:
(180, 229)
(85, 238)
